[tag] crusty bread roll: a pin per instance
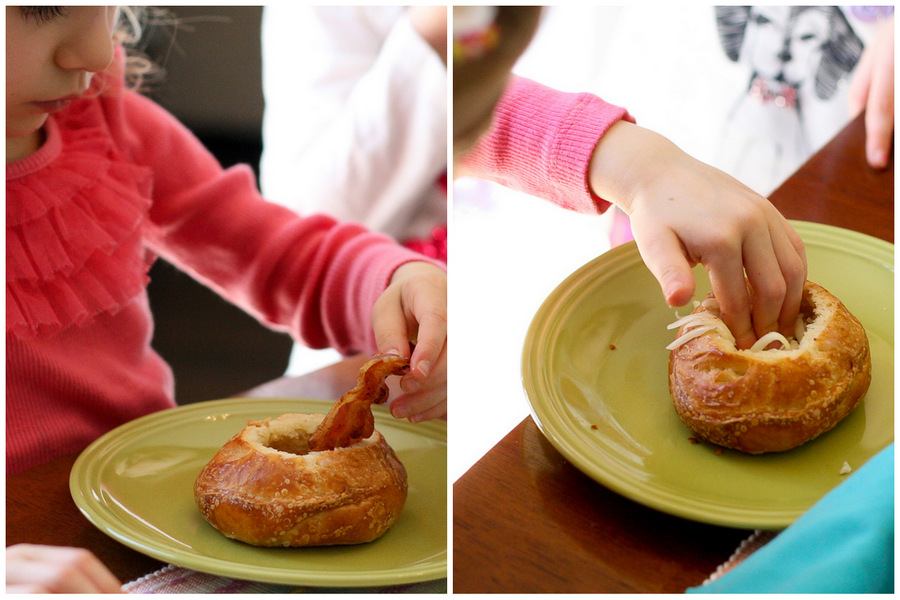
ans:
(266, 488)
(771, 400)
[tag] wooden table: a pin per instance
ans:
(40, 510)
(525, 520)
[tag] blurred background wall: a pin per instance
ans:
(212, 58)
(213, 85)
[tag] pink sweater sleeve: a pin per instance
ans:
(311, 276)
(541, 142)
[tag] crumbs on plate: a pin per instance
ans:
(718, 449)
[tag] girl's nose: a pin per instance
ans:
(90, 47)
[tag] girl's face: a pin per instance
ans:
(52, 52)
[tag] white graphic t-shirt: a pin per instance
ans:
(753, 91)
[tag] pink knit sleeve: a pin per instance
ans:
(541, 142)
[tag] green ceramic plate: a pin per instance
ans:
(608, 410)
(136, 484)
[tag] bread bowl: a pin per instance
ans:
(266, 488)
(769, 400)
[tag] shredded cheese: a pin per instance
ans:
(688, 336)
(697, 324)
(772, 336)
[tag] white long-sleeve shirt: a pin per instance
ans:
(355, 122)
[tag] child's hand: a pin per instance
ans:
(54, 569)
(684, 212)
(414, 308)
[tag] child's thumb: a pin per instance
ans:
(665, 258)
(389, 326)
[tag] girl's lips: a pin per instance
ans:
(52, 106)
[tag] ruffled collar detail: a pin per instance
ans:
(74, 217)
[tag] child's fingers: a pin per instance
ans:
(726, 275)
(425, 397)
(664, 255)
(423, 302)
(436, 411)
(414, 309)
(775, 263)
(55, 579)
(792, 260)
(389, 325)
(59, 569)
(431, 340)
(420, 406)
(734, 302)
(767, 281)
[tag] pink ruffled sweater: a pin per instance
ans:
(118, 182)
(541, 142)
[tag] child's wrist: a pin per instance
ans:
(626, 160)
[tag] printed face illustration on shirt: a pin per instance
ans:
(782, 48)
(795, 58)
(793, 45)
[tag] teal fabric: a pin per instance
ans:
(843, 544)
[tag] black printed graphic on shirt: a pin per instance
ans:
(795, 57)
(791, 44)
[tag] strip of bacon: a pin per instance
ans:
(350, 419)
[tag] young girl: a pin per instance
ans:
(583, 154)
(99, 181)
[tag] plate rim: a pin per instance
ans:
(434, 430)
(726, 516)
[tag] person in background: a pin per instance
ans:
(751, 90)
(99, 181)
(872, 86)
(367, 114)
(806, 68)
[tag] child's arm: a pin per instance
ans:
(312, 276)
(540, 142)
(583, 153)
(684, 212)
